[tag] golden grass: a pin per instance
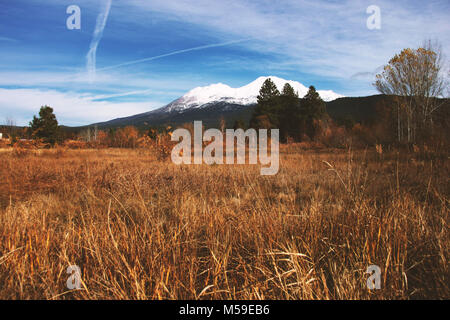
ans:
(141, 228)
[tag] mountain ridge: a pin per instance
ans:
(219, 98)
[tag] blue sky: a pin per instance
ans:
(321, 43)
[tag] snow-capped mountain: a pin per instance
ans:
(210, 103)
(246, 95)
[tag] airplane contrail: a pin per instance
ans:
(367, 74)
(173, 53)
(123, 94)
(97, 36)
(7, 39)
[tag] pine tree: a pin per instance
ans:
(267, 92)
(289, 91)
(46, 126)
(312, 109)
(288, 111)
(265, 115)
(313, 106)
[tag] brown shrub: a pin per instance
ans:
(75, 144)
(164, 146)
(20, 152)
(5, 143)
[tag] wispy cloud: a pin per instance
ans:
(328, 39)
(91, 56)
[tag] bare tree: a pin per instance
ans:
(434, 84)
(86, 134)
(416, 78)
(10, 127)
(95, 132)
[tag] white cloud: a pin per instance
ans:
(70, 108)
(329, 39)
(110, 83)
(326, 38)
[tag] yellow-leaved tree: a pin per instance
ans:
(416, 77)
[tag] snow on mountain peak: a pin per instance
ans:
(245, 95)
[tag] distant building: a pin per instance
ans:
(1, 136)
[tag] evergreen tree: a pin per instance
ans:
(267, 92)
(312, 110)
(289, 91)
(289, 114)
(312, 104)
(46, 126)
(267, 107)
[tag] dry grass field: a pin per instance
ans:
(143, 228)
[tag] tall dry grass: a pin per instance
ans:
(142, 228)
